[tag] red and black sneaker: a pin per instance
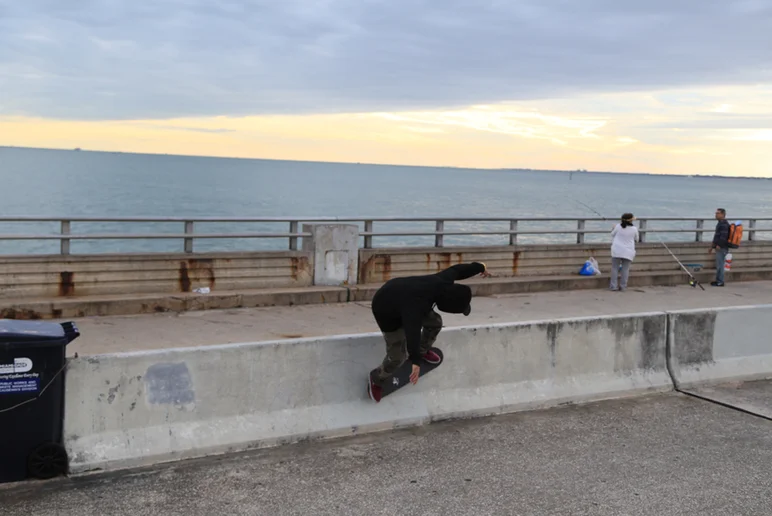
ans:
(432, 357)
(373, 390)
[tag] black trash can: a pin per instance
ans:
(32, 361)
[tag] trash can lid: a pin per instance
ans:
(12, 330)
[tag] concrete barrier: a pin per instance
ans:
(71, 276)
(523, 261)
(723, 344)
(329, 259)
(130, 409)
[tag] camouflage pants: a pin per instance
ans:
(396, 344)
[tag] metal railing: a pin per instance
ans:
(188, 236)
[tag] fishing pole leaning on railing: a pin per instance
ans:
(693, 282)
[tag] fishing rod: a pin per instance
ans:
(693, 282)
(591, 209)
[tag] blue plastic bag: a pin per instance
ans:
(590, 268)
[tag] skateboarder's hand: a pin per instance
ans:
(414, 374)
(485, 274)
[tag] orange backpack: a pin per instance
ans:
(735, 234)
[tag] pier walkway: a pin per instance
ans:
(115, 334)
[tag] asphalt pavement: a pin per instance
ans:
(661, 455)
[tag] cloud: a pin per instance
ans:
(745, 122)
(118, 60)
(505, 120)
(214, 130)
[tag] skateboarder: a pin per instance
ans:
(404, 311)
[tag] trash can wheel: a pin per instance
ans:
(47, 461)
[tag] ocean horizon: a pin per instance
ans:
(69, 183)
(374, 164)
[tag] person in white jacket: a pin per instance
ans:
(623, 238)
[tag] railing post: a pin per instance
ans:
(751, 232)
(512, 232)
(368, 238)
(698, 234)
(64, 243)
(293, 240)
(188, 240)
(642, 230)
(335, 253)
(579, 231)
(439, 228)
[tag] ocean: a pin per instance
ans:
(69, 183)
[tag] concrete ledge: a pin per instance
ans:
(67, 276)
(87, 306)
(57, 308)
(128, 409)
(131, 409)
(523, 285)
(378, 265)
(721, 345)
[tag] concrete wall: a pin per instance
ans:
(130, 409)
(726, 344)
(110, 275)
(379, 265)
(28, 277)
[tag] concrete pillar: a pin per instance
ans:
(335, 249)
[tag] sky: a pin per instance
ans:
(676, 87)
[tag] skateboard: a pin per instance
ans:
(399, 378)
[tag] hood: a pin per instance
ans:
(455, 299)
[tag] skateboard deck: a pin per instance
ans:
(399, 378)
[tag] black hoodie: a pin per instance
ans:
(404, 302)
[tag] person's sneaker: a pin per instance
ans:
(374, 390)
(717, 283)
(432, 357)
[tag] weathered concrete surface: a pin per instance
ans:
(722, 344)
(380, 264)
(65, 277)
(139, 408)
(91, 306)
(221, 298)
(754, 397)
(126, 333)
(335, 251)
(663, 455)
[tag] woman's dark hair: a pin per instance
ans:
(627, 220)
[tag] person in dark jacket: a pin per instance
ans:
(404, 311)
(720, 245)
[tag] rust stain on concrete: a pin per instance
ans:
(515, 262)
(66, 283)
(196, 269)
(369, 271)
(203, 269)
(184, 278)
(298, 265)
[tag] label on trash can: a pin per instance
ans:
(16, 378)
(20, 365)
(28, 383)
